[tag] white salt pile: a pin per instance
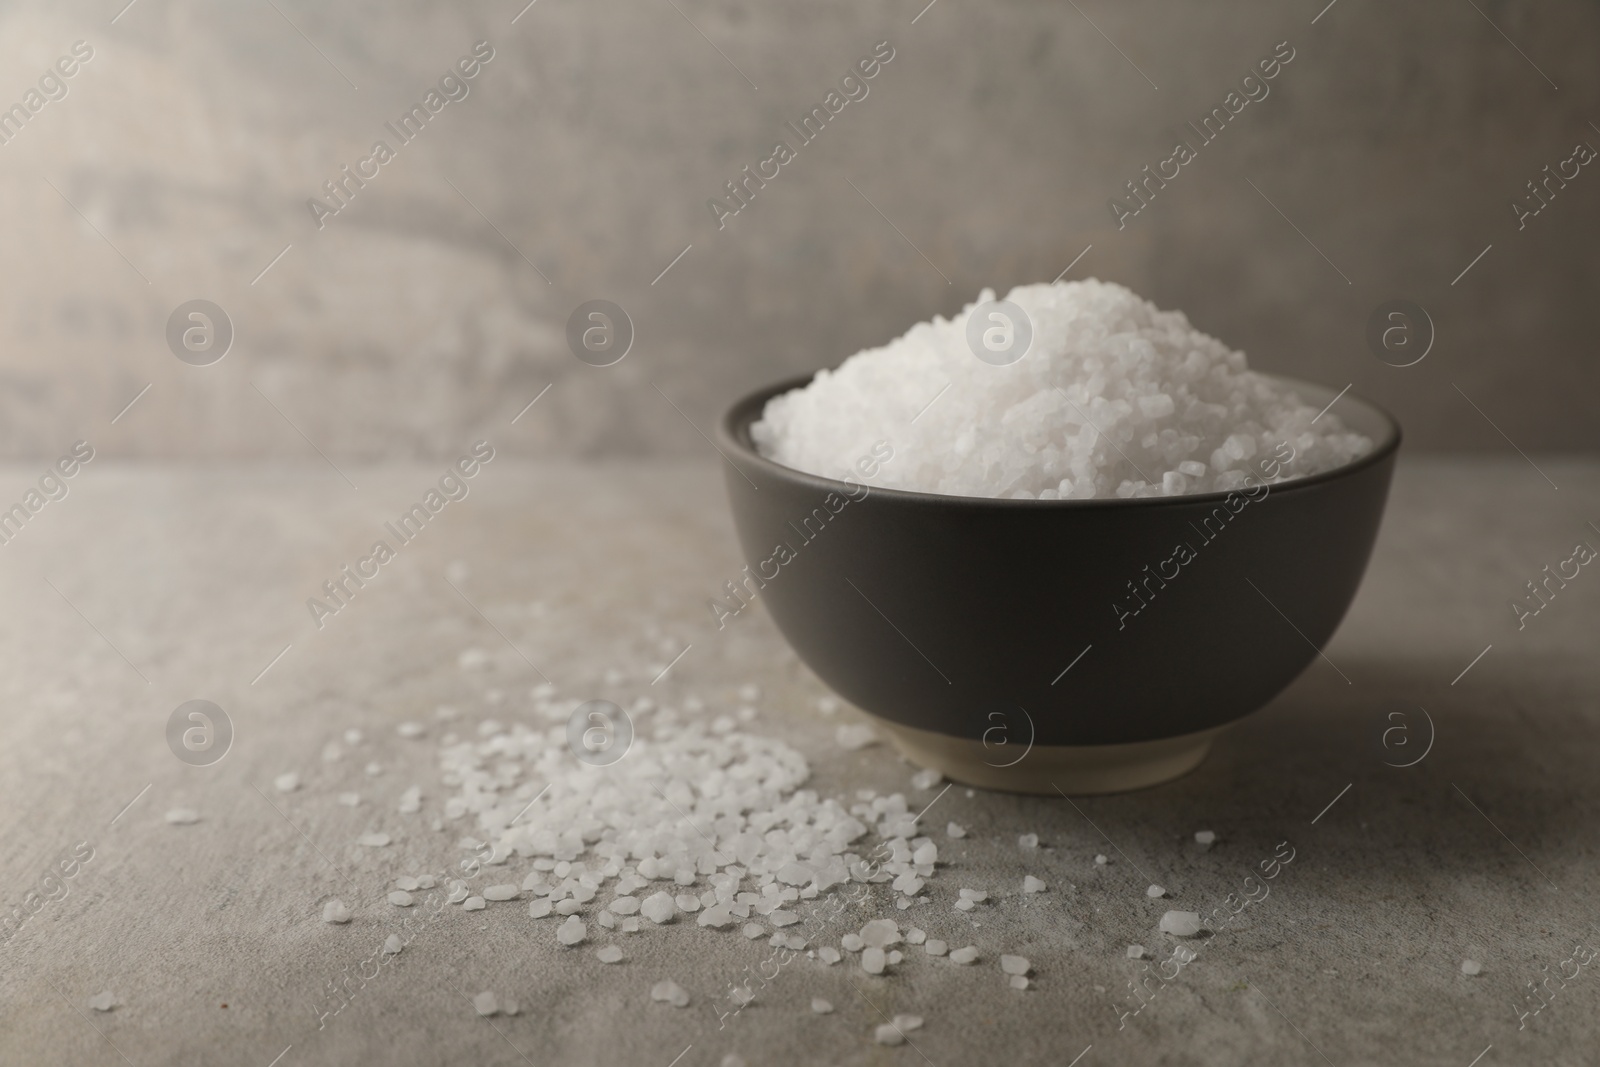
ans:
(1114, 398)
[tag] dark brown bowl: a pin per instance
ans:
(986, 632)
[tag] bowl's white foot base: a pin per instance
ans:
(1075, 770)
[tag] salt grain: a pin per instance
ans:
(852, 943)
(1028, 841)
(955, 829)
(410, 730)
(183, 816)
(486, 1004)
(103, 1001)
(888, 1035)
(373, 840)
(1155, 891)
(334, 911)
(392, 945)
(926, 778)
(935, 947)
(872, 960)
(502, 892)
(609, 954)
(350, 800)
(1030, 884)
(1471, 967)
(670, 992)
(473, 903)
(572, 932)
(1205, 837)
(287, 782)
(821, 1007)
(539, 908)
(1015, 964)
(1181, 923)
(1136, 952)
(964, 955)
(1019, 981)
(658, 907)
(1100, 861)
(400, 898)
(855, 736)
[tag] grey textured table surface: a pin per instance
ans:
(147, 587)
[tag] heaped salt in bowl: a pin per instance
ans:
(1114, 398)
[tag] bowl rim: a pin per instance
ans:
(733, 432)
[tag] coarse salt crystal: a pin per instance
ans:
(502, 892)
(829, 955)
(1015, 964)
(609, 954)
(907, 1023)
(670, 992)
(1136, 952)
(1100, 861)
(1471, 967)
(103, 1001)
(334, 911)
(914, 936)
(1155, 891)
(1205, 837)
(955, 829)
(287, 782)
(820, 1006)
(880, 933)
(539, 908)
(183, 816)
(486, 1004)
(964, 955)
(886, 1034)
(964, 904)
(855, 736)
(872, 960)
(1181, 923)
(926, 778)
(374, 840)
(572, 932)
(658, 907)
(400, 898)
(392, 945)
(1028, 841)
(1030, 884)
(474, 903)
(852, 943)
(935, 947)
(1019, 981)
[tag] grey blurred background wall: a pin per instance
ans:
(432, 308)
